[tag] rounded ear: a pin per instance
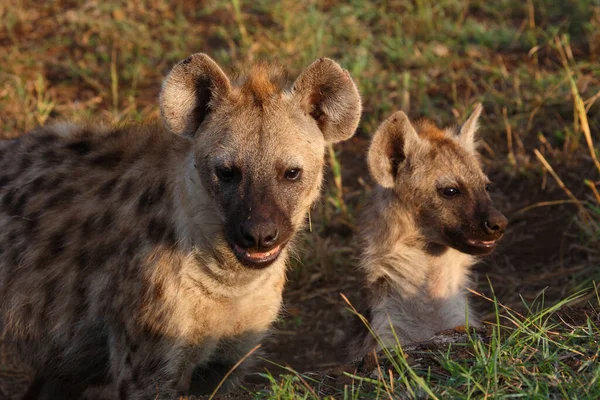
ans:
(395, 140)
(329, 95)
(466, 135)
(189, 92)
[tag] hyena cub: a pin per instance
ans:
(428, 221)
(137, 255)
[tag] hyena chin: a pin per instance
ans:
(152, 257)
(429, 218)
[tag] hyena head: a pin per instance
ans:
(259, 143)
(437, 173)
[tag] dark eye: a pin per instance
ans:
(488, 187)
(450, 192)
(292, 174)
(225, 174)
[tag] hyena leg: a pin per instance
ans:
(145, 369)
(206, 378)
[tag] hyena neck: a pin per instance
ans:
(398, 254)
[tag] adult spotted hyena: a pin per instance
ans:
(139, 253)
(429, 220)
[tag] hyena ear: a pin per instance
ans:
(328, 94)
(395, 140)
(466, 135)
(190, 91)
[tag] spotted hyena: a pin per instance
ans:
(429, 220)
(139, 253)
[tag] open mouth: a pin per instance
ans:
(485, 244)
(256, 258)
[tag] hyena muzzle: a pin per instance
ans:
(139, 254)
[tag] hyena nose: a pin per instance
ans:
(261, 234)
(495, 223)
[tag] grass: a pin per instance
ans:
(541, 354)
(535, 66)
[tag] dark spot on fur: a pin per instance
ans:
(159, 290)
(127, 189)
(52, 158)
(82, 258)
(107, 160)
(133, 346)
(107, 188)
(131, 273)
(150, 198)
(58, 243)
(58, 179)
(187, 60)
(435, 249)
(100, 256)
(170, 238)
(19, 206)
(15, 256)
(14, 206)
(4, 180)
(46, 139)
(131, 248)
(105, 221)
(88, 226)
(37, 184)
(24, 165)
(8, 198)
(31, 223)
(82, 147)
(156, 230)
(64, 197)
(103, 253)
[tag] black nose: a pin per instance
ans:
(261, 234)
(495, 223)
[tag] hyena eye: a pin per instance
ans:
(488, 187)
(292, 174)
(450, 192)
(225, 174)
